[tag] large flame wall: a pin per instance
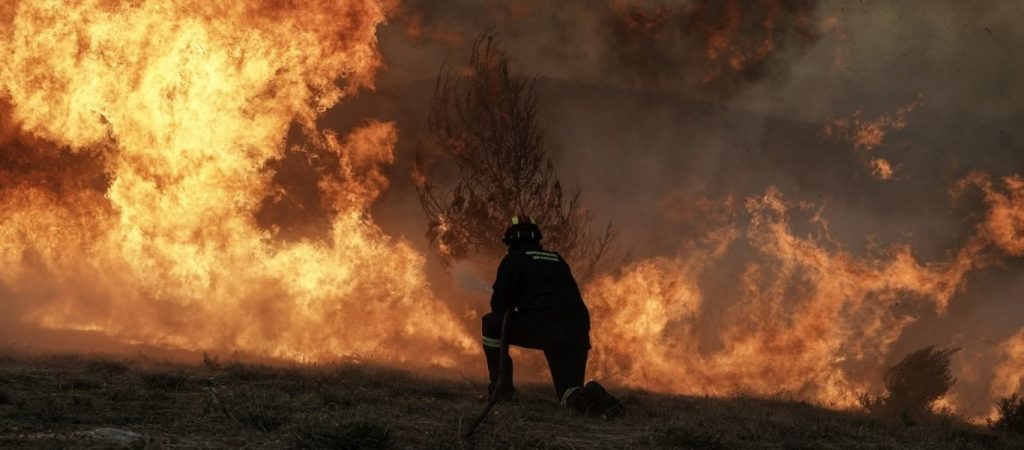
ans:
(184, 103)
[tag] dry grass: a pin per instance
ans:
(71, 400)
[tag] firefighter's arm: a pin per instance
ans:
(503, 293)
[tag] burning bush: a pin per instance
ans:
(1011, 414)
(913, 385)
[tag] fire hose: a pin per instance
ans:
(503, 355)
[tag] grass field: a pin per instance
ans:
(59, 401)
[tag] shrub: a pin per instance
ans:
(913, 384)
(1011, 414)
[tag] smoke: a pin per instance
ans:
(702, 48)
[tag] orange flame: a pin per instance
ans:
(185, 102)
(881, 169)
(809, 312)
(867, 135)
(1009, 374)
(1003, 224)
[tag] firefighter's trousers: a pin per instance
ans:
(567, 358)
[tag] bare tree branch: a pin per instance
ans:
(484, 122)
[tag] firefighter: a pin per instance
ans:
(548, 314)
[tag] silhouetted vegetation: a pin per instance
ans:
(359, 406)
(912, 385)
(1011, 414)
(485, 121)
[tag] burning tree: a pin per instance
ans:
(913, 384)
(485, 122)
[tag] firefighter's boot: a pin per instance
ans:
(504, 390)
(593, 400)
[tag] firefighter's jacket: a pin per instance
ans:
(539, 285)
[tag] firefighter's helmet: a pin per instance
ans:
(521, 230)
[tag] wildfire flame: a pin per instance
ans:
(184, 103)
(866, 135)
(810, 312)
(1003, 224)
(881, 168)
(1009, 375)
(869, 134)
